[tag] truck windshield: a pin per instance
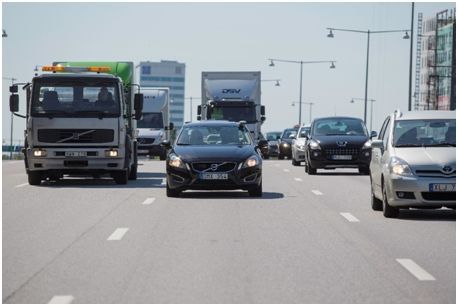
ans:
(75, 98)
(233, 113)
(151, 121)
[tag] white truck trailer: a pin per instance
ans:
(154, 126)
(233, 96)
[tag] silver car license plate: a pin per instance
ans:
(442, 187)
(213, 176)
(341, 157)
(75, 154)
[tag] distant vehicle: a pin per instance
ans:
(154, 125)
(233, 96)
(264, 147)
(272, 138)
(229, 160)
(298, 145)
(338, 142)
(414, 162)
(285, 142)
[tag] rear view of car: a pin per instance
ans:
(414, 162)
(272, 138)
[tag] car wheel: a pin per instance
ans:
(34, 178)
(256, 191)
(364, 170)
(266, 156)
(376, 204)
(171, 193)
(281, 156)
(388, 210)
(295, 162)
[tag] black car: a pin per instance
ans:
(272, 138)
(264, 147)
(214, 155)
(338, 142)
(285, 143)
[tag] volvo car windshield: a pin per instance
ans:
(214, 135)
(424, 133)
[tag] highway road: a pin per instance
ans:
(309, 239)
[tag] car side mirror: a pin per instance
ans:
(263, 111)
(199, 110)
(377, 144)
(14, 103)
(263, 118)
(138, 105)
(373, 134)
(166, 144)
(171, 126)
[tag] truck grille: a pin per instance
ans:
(145, 140)
(75, 135)
(220, 167)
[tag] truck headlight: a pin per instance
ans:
(252, 161)
(39, 153)
(111, 153)
(314, 145)
(176, 162)
(399, 167)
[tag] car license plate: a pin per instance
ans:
(213, 176)
(75, 154)
(442, 187)
(341, 157)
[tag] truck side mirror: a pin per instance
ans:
(166, 144)
(263, 119)
(263, 111)
(199, 111)
(13, 89)
(138, 105)
(14, 103)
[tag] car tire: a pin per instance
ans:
(388, 210)
(171, 193)
(364, 170)
(266, 156)
(295, 162)
(134, 168)
(34, 177)
(256, 191)
(309, 169)
(163, 156)
(376, 204)
(281, 156)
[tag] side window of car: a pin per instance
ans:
(386, 133)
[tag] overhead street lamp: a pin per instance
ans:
(190, 106)
(368, 32)
(310, 112)
(372, 107)
(11, 130)
(272, 64)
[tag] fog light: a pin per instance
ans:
(111, 153)
(315, 154)
(39, 153)
(405, 195)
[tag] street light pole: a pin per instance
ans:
(367, 76)
(190, 106)
(272, 60)
(372, 106)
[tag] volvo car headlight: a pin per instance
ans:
(399, 166)
(175, 161)
(314, 145)
(252, 161)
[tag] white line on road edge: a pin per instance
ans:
(118, 233)
(149, 201)
(349, 217)
(317, 192)
(415, 269)
(286, 170)
(298, 179)
(21, 185)
(61, 299)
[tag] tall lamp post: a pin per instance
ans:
(11, 130)
(368, 32)
(190, 106)
(372, 107)
(308, 103)
(272, 64)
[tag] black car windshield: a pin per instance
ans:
(289, 133)
(75, 98)
(339, 126)
(232, 113)
(214, 135)
(424, 133)
(272, 136)
(151, 121)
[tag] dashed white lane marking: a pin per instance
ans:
(286, 170)
(149, 201)
(415, 269)
(317, 192)
(349, 217)
(118, 233)
(298, 179)
(61, 299)
(21, 185)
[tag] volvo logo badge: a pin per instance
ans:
(214, 167)
(341, 143)
(447, 169)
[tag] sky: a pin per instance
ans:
(228, 37)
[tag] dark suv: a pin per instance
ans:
(338, 142)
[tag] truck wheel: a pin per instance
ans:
(163, 156)
(171, 193)
(256, 191)
(133, 169)
(34, 177)
(121, 177)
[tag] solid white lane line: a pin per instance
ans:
(298, 179)
(415, 269)
(286, 170)
(149, 201)
(118, 233)
(317, 192)
(61, 299)
(21, 185)
(349, 217)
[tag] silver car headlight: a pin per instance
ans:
(251, 161)
(399, 166)
(314, 145)
(176, 162)
(300, 147)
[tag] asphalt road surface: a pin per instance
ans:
(309, 239)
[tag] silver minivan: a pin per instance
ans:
(413, 162)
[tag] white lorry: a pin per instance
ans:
(154, 126)
(233, 96)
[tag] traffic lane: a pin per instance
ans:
(433, 245)
(13, 175)
(45, 220)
